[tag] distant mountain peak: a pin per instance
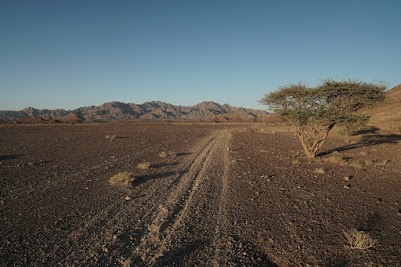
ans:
(115, 110)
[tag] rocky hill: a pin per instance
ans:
(387, 115)
(209, 111)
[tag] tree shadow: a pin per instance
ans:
(9, 157)
(366, 141)
(144, 178)
(367, 130)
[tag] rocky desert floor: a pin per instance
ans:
(219, 195)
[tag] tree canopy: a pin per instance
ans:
(314, 111)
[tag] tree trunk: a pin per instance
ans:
(313, 141)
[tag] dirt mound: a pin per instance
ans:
(387, 115)
(71, 118)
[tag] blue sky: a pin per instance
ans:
(67, 54)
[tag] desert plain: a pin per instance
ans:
(211, 195)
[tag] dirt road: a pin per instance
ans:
(183, 223)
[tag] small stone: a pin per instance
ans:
(347, 178)
(228, 149)
(399, 212)
(347, 186)
(127, 198)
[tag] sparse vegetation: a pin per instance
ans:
(359, 239)
(144, 165)
(336, 157)
(165, 154)
(355, 164)
(112, 136)
(315, 111)
(121, 178)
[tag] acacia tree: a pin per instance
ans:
(315, 111)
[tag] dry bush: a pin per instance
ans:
(355, 164)
(144, 165)
(359, 239)
(164, 154)
(336, 158)
(113, 136)
(122, 178)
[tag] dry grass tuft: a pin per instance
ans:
(355, 164)
(336, 158)
(164, 154)
(112, 136)
(359, 239)
(122, 178)
(144, 165)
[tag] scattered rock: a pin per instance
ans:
(348, 186)
(347, 178)
(127, 198)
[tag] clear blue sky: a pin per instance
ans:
(67, 54)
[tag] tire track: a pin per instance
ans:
(222, 247)
(117, 214)
(171, 215)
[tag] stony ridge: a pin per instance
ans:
(109, 111)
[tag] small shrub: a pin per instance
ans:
(113, 136)
(336, 158)
(144, 165)
(356, 164)
(122, 178)
(359, 239)
(164, 154)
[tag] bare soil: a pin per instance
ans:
(226, 195)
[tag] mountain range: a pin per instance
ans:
(205, 111)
